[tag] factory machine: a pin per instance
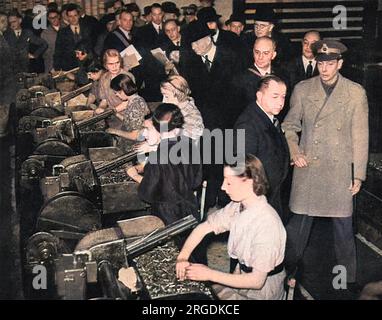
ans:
(135, 260)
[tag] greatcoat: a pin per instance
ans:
(334, 134)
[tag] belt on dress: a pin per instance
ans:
(279, 268)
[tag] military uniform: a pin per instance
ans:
(333, 121)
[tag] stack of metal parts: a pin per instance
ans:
(157, 271)
(117, 175)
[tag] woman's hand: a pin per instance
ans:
(144, 147)
(99, 110)
(198, 272)
(132, 172)
(122, 106)
(168, 67)
(181, 266)
(112, 131)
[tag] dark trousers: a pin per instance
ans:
(298, 232)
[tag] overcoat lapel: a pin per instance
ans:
(335, 102)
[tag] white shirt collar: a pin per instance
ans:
(175, 42)
(262, 71)
(271, 117)
(126, 33)
(305, 61)
(157, 26)
(74, 27)
(210, 54)
(216, 35)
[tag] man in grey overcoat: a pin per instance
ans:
(331, 113)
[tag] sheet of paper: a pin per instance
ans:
(130, 50)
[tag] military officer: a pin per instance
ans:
(330, 158)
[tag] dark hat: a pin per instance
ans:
(146, 10)
(107, 18)
(197, 30)
(208, 14)
(237, 18)
(326, 50)
(189, 10)
(265, 13)
(83, 46)
(170, 7)
(132, 7)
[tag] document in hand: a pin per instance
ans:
(160, 55)
(131, 57)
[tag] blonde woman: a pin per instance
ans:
(176, 90)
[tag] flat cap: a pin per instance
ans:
(326, 50)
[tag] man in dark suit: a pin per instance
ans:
(245, 83)
(67, 38)
(151, 35)
(265, 26)
(92, 24)
(26, 46)
(264, 138)
(7, 77)
(209, 70)
(221, 37)
(175, 45)
(304, 66)
(123, 35)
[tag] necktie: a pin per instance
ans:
(159, 30)
(309, 70)
(276, 123)
(76, 35)
(207, 63)
(178, 43)
(18, 34)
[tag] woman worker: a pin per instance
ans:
(131, 111)
(257, 239)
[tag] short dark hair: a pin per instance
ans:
(52, 10)
(94, 66)
(52, 6)
(125, 83)
(14, 13)
(83, 46)
(72, 7)
(265, 81)
(170, 20)
(155, 5)
(253, 169)
(164, 109)
(124, 10)
(132, 7)
(146, 10)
